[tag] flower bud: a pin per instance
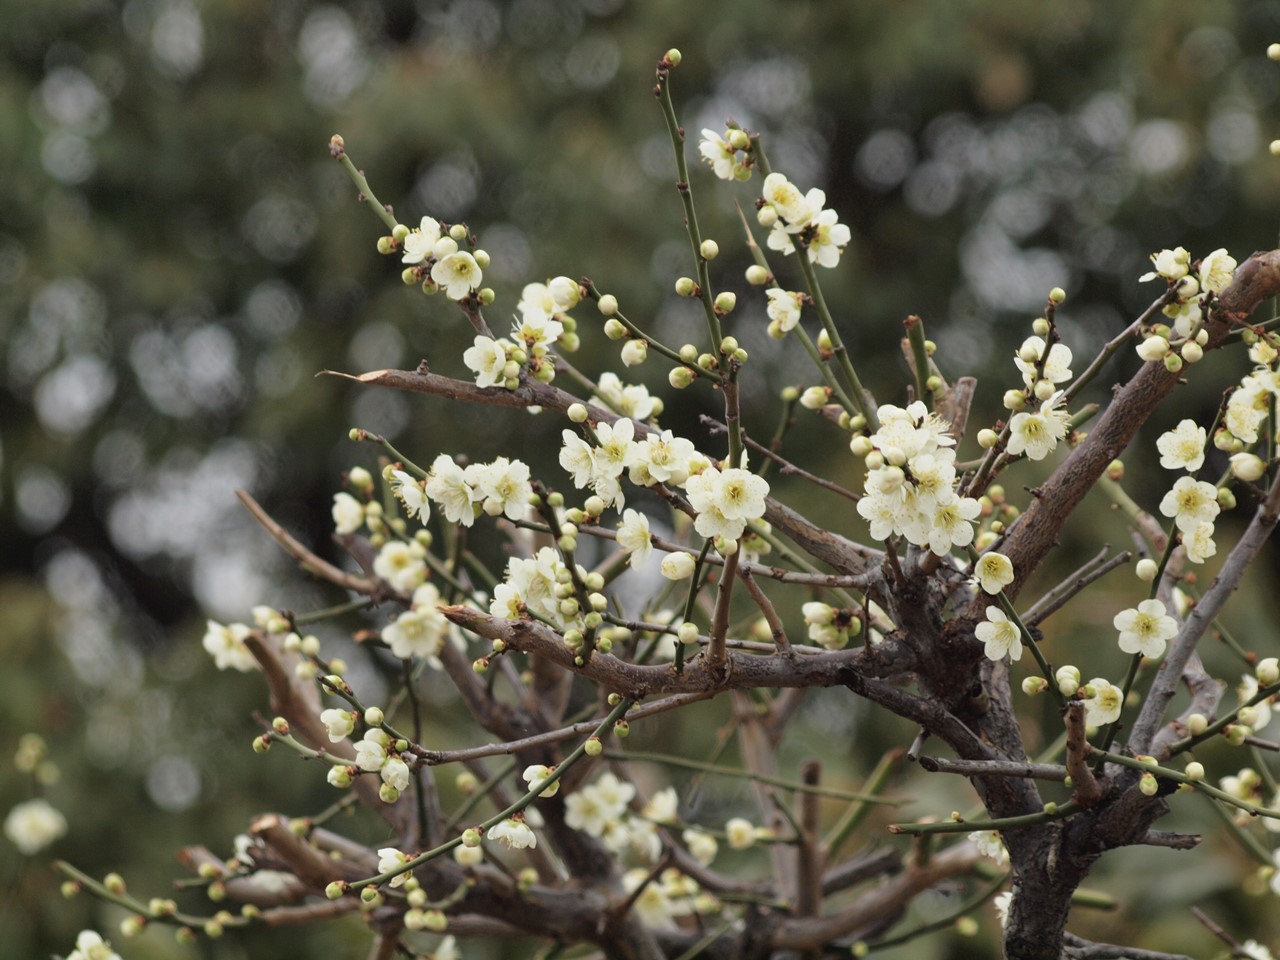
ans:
(1040, 327)
(635, 352)
(1148, 785)
(1247, 466)
(1192, 352)
(621, 729)
(1033, 686)
(1194, 770)
(680, 377)
(593, 747)
(1146, 569)
(1197, 724)
(335, 890)
(1226, 499)
(386, 245)
(685, 287)
(608, 305)
(673, 57)
(814, 397)
(1014, 400)
(614, 329)
(726, 301)
(987, 438)
(767, 216)
(757, 275)
(1153, 348)
(709, 249)
(1267, 671)
(1172, 362)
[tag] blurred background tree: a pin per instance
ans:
(179, 255)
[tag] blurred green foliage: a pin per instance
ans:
(178, 256)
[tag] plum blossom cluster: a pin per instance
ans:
(542, 323)
(729, 156)
(435, 258)
(725, 500)
(1190, 296)
(910, 488)
(794, 218)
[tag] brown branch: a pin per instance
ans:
(304, 861)
(871, 909)
(809, 859)
(1202, 615)
(831, 548)
(1087, 791)
(776, 628)
(994, 768)
(423, 756)
(1037, 531)
(1093, 570)
(737, 671)
(308, 561)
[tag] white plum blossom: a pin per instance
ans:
(1169, 264)
(371, 750)
(1216, 270)
(628, 400)
(1037, 434)
(592, 807)
(652, 905)
(339, 724)
(661, 458)
(395, 773)
(785, 198)
(1000, 635)
(401, 565)
(514, 832)
(348, 514)
(502, 487)
(535, 774)
(457, 275)
(634, 537)
(536, 299)
(952, 525)
(719, 154)
(990, 844)
(1252, 948)
(227, 647)
(421, 630)
(410, 492)
(487, 359)
(702, 845)
(740, 832)
(662, 806)
(33, 825)
(421, 241)
(1199, 542)
(449, 489)
(1146, 628)
(1182, 448)
(993, 572)
(1261, 714)
(389, 858)
(1190, 503)
(726, 501)
(91, 946)
(536, 329)
(1104, 706)
(784, 308)
(577, 458)
(1057, 365)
